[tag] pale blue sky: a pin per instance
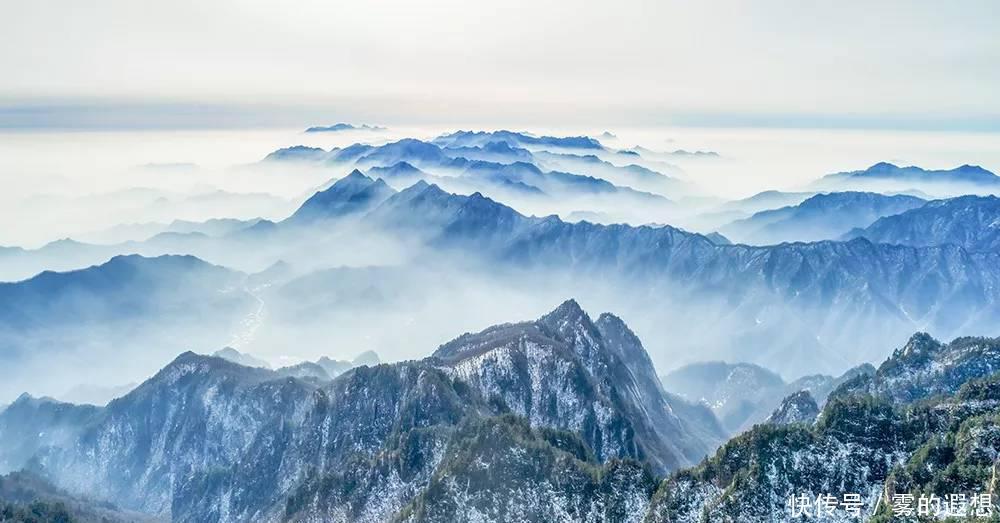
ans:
(893, 64)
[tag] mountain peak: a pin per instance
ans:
(567, 311)
(799, 407)
(416, 188)
(355, 175)
(351, 194)
(882, 166)
(920, 343)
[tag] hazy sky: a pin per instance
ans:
(848, 63)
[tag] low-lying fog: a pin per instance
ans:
(354, 292)
(71, 184)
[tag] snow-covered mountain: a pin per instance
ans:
(924, 423)
(509, 424)
(534, 403)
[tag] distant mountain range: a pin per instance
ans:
(343, 127)
(821, 217)
(885, 176)
(560, 401)
(235, 356)
(875, 288)
(127, 310)
(498, 168)
(515, 139)
(972, 222)
(772, 306)
(324, 368)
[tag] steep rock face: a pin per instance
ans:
(560, 372)
(972, 222)
(796, 408)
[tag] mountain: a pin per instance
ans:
(793, 308)
(544, 477)
(718, 239)
(446, 438)
(206, 439)
(682, 153)
(235, 356)
(539, 370)
(972, 222)
(402, 172)
(770, 305)
(296, 153)
(114, 318)
(494, 167)
(335, 368)
(885, 176)
(631, 175)
(714, 215)
(353, 194)
(733, 391)
(500, 152)
(515, 139)
(764, 201)
(29, 498)
(444, 218)
(410, 150)
(743, 394)
(821, 217)
(925, 367)
(343, 127)
(143, 231)
(306, 370)
(799, 407)
(923, 424)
